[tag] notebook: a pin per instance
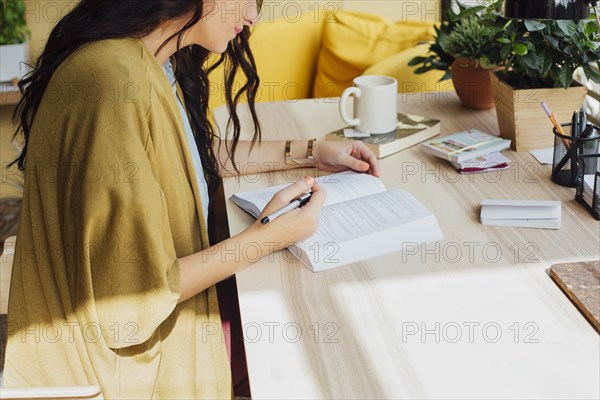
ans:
(521, 213)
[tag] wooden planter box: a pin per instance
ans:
(521, 118)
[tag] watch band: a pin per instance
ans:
(299, 162)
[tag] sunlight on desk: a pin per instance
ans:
(448, 344)
(353, 318)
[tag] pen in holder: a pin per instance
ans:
(567, 150)
(588, 183)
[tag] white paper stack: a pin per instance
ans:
(521, 213)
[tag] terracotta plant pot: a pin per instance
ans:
(473, 84)
(521, 118)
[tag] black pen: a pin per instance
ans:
(587, 132)
(297, 202)
(582, 121)
(574, 125)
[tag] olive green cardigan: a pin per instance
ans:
(110, 203)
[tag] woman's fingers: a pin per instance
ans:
(364, 153)
(286, 195)
(356, 164)
(314, 205)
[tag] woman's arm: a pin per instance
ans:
(201, 270)
(268, 156)
(264, 157)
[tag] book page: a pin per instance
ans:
(349, 185)
(365, 215)
(340, 187)
(367, 227)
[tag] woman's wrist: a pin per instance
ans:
(260, 237)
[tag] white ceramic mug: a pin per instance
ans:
(375, 98)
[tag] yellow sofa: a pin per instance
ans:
(318, 53)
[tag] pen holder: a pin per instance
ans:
(567, 150)
(588, 183)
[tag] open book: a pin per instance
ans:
(359, 220)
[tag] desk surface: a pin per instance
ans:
(473, 316)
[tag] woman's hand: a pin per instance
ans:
(296, 225)
(343, 155)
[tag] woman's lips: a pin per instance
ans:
(237, 29)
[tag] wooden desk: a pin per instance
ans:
(472, 316)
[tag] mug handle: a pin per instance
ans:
(353, 90)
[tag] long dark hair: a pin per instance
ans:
(93, 20)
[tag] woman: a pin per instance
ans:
(114, 277)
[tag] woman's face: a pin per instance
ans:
(222, 21)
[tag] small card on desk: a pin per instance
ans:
(521, 213)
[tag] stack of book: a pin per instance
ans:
(410, 130)
(470, 151)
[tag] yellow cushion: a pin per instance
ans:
(285, 51)
(397, 67)
(354, 41)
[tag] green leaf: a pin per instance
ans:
(486, 31)
(546, 63)
(520, 49)
(564, 77)
(589, 28)
(505, 51)
(560, 34)
(588, 58)
(553, 41)
(421, 70)
(568, 27)
(486, 63)
(591, 74)
(532, 25)
(533, 60)
(470, 11)
(570, 50)
(450, 14)
(503, 40)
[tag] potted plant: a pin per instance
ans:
(13, 39)
(460, 48)
(539, 58)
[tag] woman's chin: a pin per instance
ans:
(218, 49)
